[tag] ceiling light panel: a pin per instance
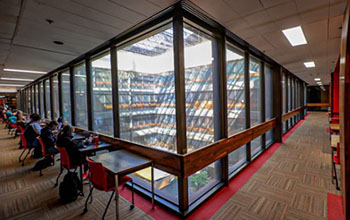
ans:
(24, 71)
(295, 36)
(309, 64)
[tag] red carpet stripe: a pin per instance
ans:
(334, 207)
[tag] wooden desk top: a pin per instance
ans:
(334, 127)
(335, 140)
(122, 162)
(91, 147)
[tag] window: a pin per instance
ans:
(255, 100)
(284, 93)
(47, 98)
(56, 106)
(235, 90)
(66, 100)
(268, 101)
(146, 87)
(198, 58)
(80, 97)
(235, 102)
(37, 98)
(102, 94)
(203, 180)
(42, 109)
(255, 91)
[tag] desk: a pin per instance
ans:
(334, 127)
(78, 137)
(122, 162)
(89, 149)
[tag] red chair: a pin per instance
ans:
(336, 160)
(25, 147)
(43, 152)
(102, 180)
(65, 163)
(12, 129)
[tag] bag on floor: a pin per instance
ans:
(69, 188)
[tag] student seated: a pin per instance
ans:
(31, 133)
(49, 138)
(65, 139)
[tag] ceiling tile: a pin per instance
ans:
(245, 7)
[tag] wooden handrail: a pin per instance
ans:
(290, 114)
(317, 104)
(198, 159)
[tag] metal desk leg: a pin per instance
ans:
(81, 178)
(116, 198)
(152, 173)
(332, 173)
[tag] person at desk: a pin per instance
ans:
(65, 139)
(31, 133)
(49, 138)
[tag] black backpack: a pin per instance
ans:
(69, 188)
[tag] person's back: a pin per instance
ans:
(12, 119)
(49, 138)
(65, 140)
(32, 131)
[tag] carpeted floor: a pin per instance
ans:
(26, 195)
(293, 183)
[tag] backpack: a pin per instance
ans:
(69, 188)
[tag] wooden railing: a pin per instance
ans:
(290, 114)
(317, 104)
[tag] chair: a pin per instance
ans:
(104, 182)
(336, 160)
(25, 147)
(65, 163)
(12, 129)
(43, 152)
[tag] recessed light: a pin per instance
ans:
(317, 79)
(24, 71)
(295, 36)
(16, 79)
(309, 64)
(58, 42)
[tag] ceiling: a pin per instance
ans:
(26, 37)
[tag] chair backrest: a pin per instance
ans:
(65, 162)
(43, 151)
(98, 175)
(23, 139)
(20, 129)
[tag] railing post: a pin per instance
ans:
(277, 104)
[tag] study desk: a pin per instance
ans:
(122, 162)
(334, 127)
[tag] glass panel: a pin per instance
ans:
(237, 158)
(29, 100)
(255, 91)
(235, 102)
(81, 117)
(42, 111)
(202, 181)
(37, 98)
(102, 94)
(235, 90)
(147, 91)
(47, 99)
(66, 101)
(198, 87)
(256, 146)
(56, 107)
(165, 184)
(268, 101)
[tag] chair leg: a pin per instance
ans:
(132, 195)
(87, 199)
(336, 177)
(25, 157)
(110, 199)
(58, 177)
(91, 194)
(19, 158)
(40, 173)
